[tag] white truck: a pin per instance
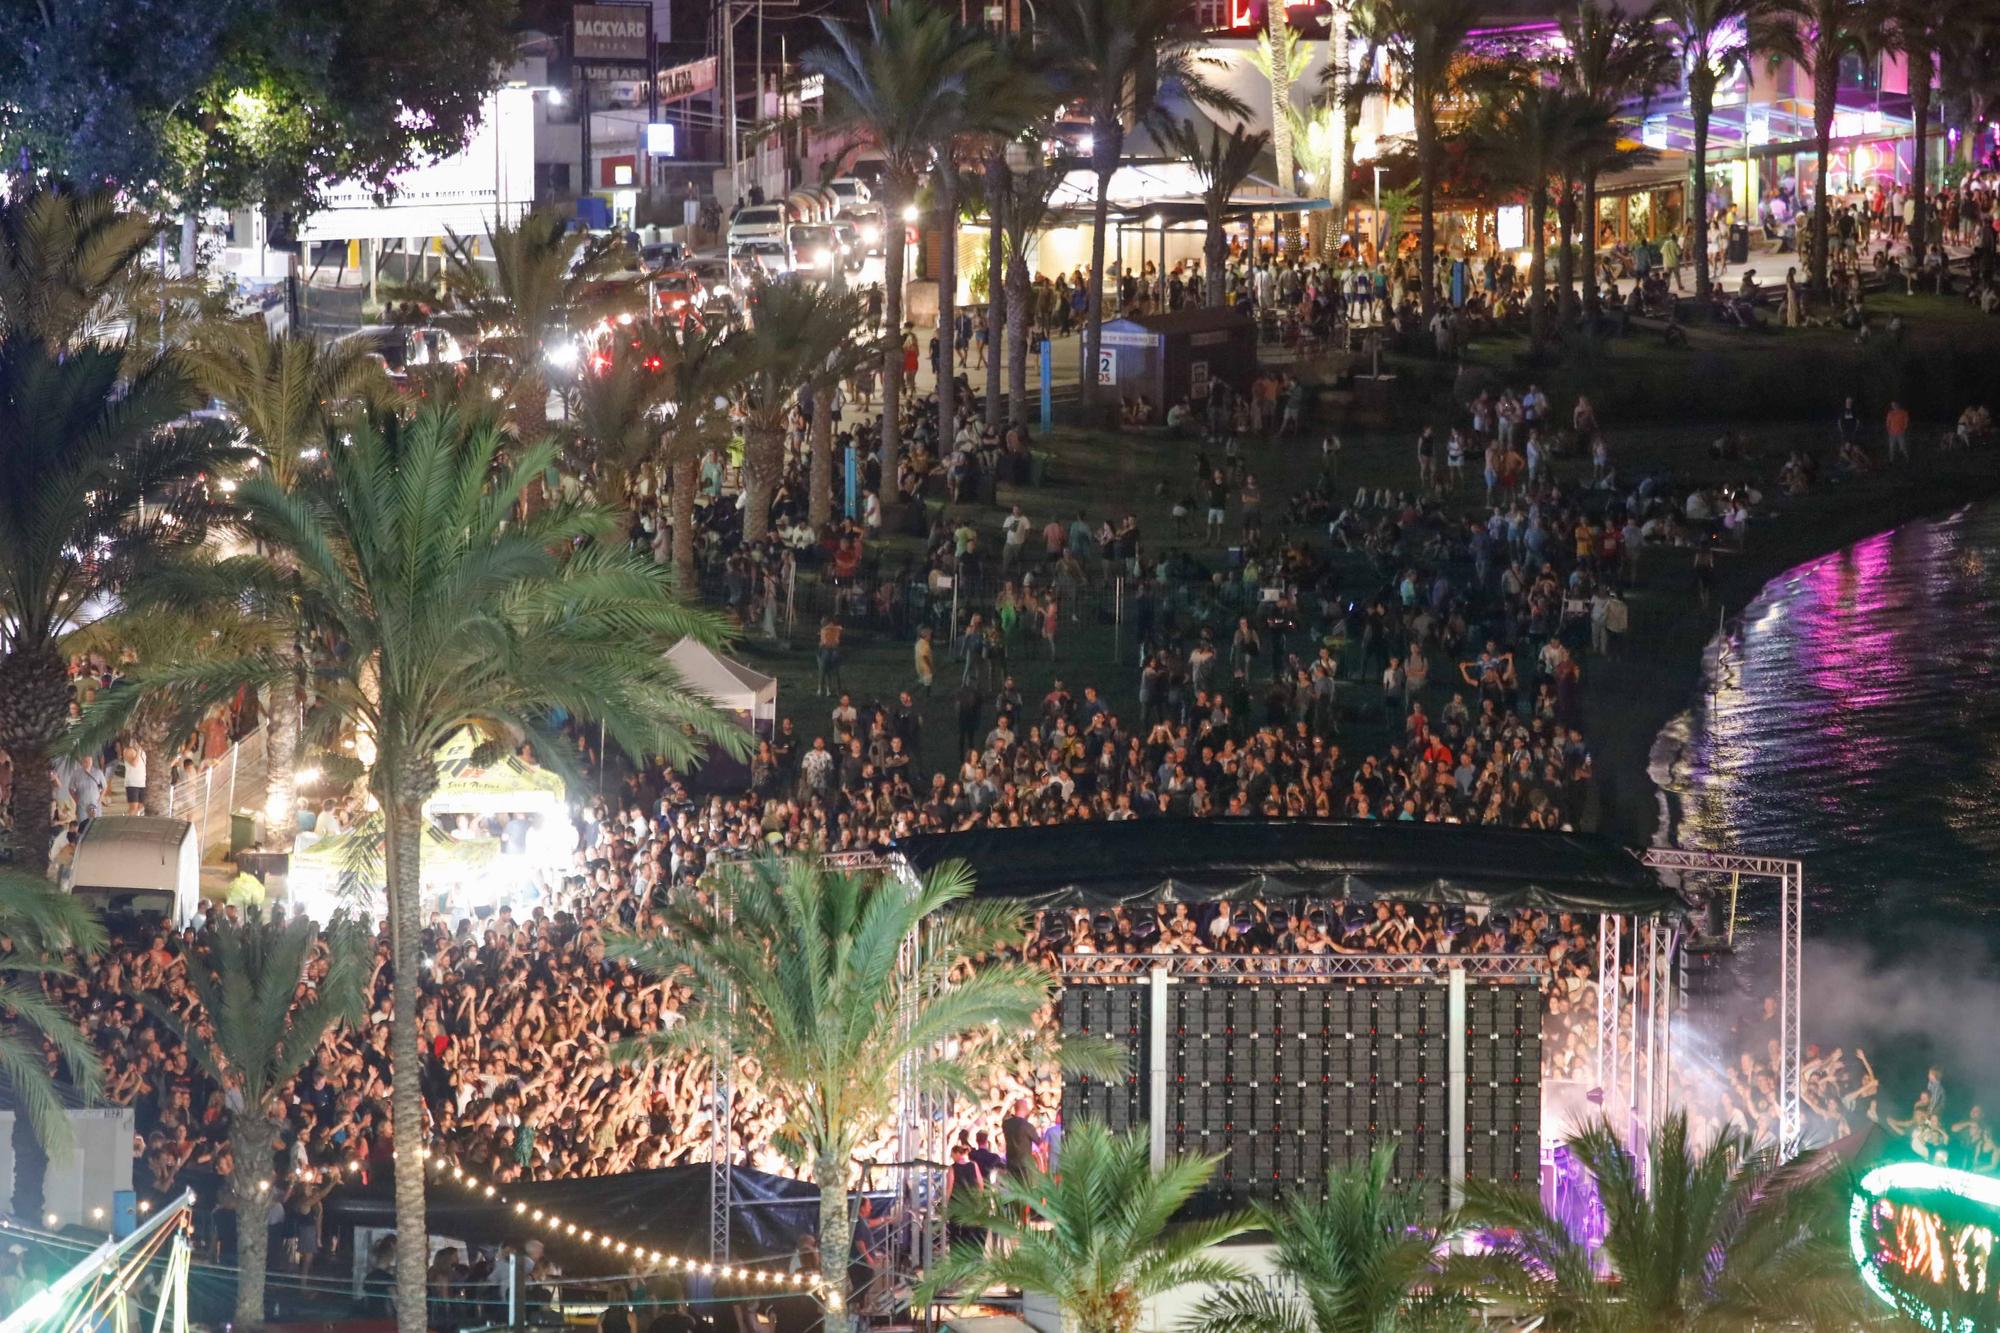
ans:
(139, 865)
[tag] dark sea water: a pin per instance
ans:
(1851, 718)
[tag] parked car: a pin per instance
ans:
(757, 223)
(680, 296)
(850, 190)
(818, 247)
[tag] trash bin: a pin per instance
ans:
(1739, 243)
(242, 830)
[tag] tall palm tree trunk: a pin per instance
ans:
(1825, 90)
(947, 332)
(1213, 251)
(1591, 303)
(34, 706)
(250, 1144)
(156, 741)
(1343, 166)
(820, 500)
(1017, 338)
(1701, 104)
(893, 261)
(1565, 258)
(281, 748)
(996, 296)
(403, 819)
(763, 462)
(1920, 116)
(1538, 268)
(1427, 153)
(836, 1233)
(1281, 98)
(687, 479)
(1105, 149)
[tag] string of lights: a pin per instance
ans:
(604, 1242)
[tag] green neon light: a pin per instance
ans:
(1923, 1177)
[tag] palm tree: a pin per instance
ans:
(702, 374)
(1004, 95)
(93, 483)
(895, 85)
(800, 326)
(1118, 57)
(795, 968)
(1097, 1236)
(1423, 39)
(284, 392)
(1614, 59)
(1711, 1236)
(994, 189)
(615, 411)
(538, 283)
(1533, 136)
(1029, 195)
(269, 994)
(154, 636)
(1969, 71)
(46, 927)
(1349, 83)
(1223, 162)
(1711, 39)
(66, 260)
(844, 358)
(1362, 1257)
(1918, 29)
(1281, 56)
(1824, 33)
(455, 614)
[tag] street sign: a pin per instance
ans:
(1198, 379)
(1107, 365)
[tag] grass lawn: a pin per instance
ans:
(1109, 475)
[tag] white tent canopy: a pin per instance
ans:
(729, 684)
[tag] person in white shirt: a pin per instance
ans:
(134, 757)
(1016, 527)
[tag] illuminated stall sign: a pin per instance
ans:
(1923, 1236)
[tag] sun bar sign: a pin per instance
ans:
(1923, 1238)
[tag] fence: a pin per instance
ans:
(212, 796)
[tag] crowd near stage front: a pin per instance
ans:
(1283, 1064)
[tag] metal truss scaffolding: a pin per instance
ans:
(104, 1291)
(1789, 877)
(1635, 1048)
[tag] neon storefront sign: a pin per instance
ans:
(1923, 1238)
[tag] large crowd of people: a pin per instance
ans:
(1443, 683)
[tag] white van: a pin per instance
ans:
(757, 222)
(850, 190)
(138, 865)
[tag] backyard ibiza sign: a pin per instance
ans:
(1923, 1237)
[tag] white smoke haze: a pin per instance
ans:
(1935, 1004)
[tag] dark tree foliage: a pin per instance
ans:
(184, 103)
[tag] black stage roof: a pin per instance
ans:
(1201, 860)
(665, 1209)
